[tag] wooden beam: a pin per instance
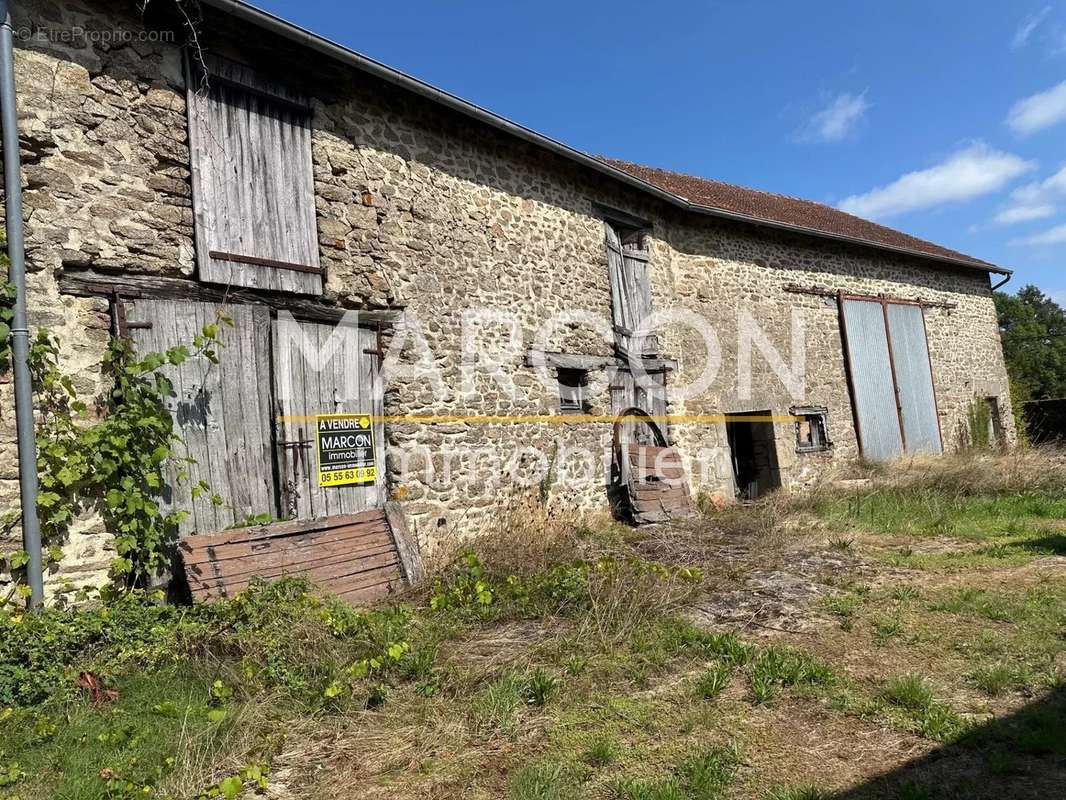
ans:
(90, 283)
(823, 291)
(255, 261)
(406, 544)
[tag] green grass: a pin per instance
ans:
(703, 776)
(931, 513)
(134, 738)
(913, 696)
(804, 792)
(910, 691)
(495, 708)
(602, 751)
(714, 681)
(543, 782)
(997, 679)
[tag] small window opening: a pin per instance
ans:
(573, 391)
(633, 239)
(812, 430)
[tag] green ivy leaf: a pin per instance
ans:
(18, 559)
(231, 787)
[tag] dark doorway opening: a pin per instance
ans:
(754, 453)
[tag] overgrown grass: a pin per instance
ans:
(703, 776)
(967, 496)
(913, 695)
(547, 665)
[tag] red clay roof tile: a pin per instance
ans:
(777, 208)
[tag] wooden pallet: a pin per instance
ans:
(357, 557)
(656, 484)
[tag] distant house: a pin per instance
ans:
(292, 180)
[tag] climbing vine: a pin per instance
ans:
(112, 457)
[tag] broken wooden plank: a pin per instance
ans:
(355, 556)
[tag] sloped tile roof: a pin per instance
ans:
(790, 211)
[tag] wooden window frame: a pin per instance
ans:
(812, 415)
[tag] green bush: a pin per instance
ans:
(275, 636)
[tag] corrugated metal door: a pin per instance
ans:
(876, 409)
(914, 378)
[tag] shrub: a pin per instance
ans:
(272, 637)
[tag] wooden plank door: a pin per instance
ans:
(221, 411)
(630, 295)
(323, 369)
(252, 180)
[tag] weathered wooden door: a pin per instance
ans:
(648, 393)
(252, 181)
(324, 369)
(630, 295)
(221, 411)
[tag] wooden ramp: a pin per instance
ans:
(357, 557)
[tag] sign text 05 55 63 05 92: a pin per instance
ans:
(345, 449)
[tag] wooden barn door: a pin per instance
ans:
(322, 370)
(627, 268)
(221, 411)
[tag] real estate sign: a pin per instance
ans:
(345, 449)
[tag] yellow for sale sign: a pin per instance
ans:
(345, 450)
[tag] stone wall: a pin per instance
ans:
(422, 208)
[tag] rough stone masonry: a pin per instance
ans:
(424, 209)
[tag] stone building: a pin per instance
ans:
(506, 284)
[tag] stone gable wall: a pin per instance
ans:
(421, 207)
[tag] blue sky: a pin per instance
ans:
(943, 119)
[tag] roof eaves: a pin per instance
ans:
(289, 30)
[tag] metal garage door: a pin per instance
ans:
(891, 378)
(914, 379)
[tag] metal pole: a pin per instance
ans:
(20, 333)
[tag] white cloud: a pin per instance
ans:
(839, 118)
(1036, 200)
(1039, 111)
(971, 172)
(1028, 27)
(1051, 236)
(1012, 215)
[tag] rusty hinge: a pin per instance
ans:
(118, 312)
(379, 348)
(298, 446)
